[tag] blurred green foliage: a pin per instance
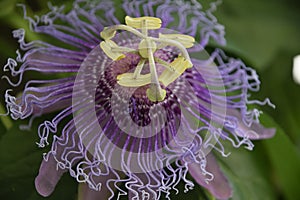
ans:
(265, 34)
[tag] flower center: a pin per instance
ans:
(146, 50)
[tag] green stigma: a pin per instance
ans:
(147, 47)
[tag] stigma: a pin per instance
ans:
(146, 49)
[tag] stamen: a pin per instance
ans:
(173, 43)
(135, 79)
(146, 49)
(155, 92)
(144, 27)
(152, 22)
(123, 49)
(174, 70)
(128, 80)
(123, 28)
(139, 68)
(108, 33)
(107, 46)
(186, 40)
(146, 45)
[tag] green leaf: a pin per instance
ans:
(278, 85)
(5, 120)
(257, 29)
(7, 6)
(285, 160)
(271, 169)
(19, 163)
(20, 159)
(197, 193)
(248, 173)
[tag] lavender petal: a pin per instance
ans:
(219, 185)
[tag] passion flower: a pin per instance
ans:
(142, 104)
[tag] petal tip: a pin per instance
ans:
(43, 187)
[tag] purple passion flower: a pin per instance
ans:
(140, 105)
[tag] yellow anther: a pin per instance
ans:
(146, 45)
(155, 93)
(151, 22)
(108, 33)
(186, 40)
(128, 80)
(174, 70)
(107, 46)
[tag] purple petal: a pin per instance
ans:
(53, 166)
(219, 186)
(255, 131)
(146, 187)
(48, 176)
(85, 192)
